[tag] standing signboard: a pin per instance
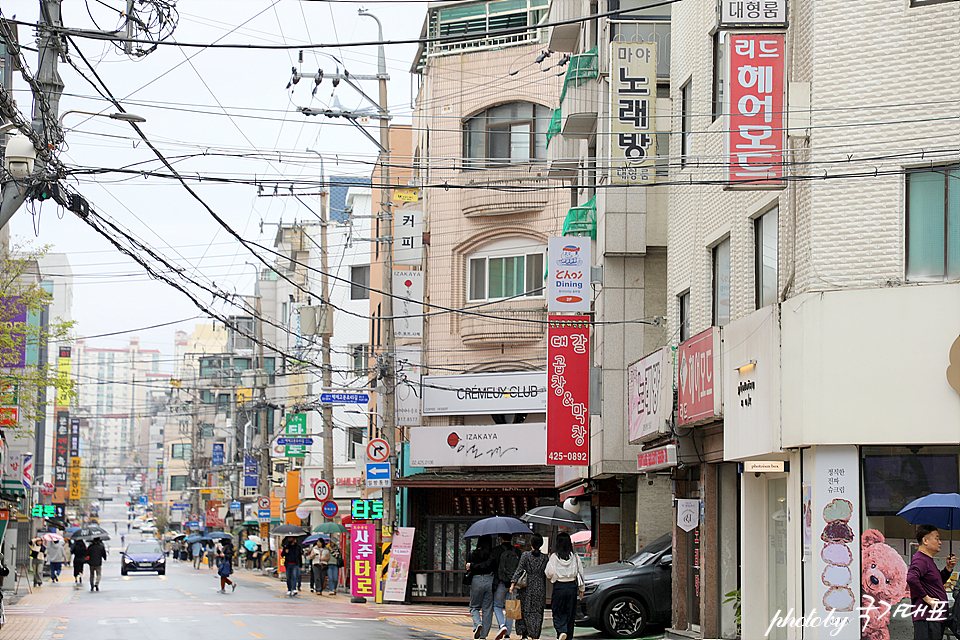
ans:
(568, 274)
(756, 117)
(61, 452)
(633, 104)
(395, 589)
(568, 390)
(363, 559)
(698, 371)
(650, 395)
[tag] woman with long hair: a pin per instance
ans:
(533, 597)
(565, 571)
(480, 568)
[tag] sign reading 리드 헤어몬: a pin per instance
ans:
(490, 393)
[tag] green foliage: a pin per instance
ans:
(21, 291)
(734, 597)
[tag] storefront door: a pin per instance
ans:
(448, 552)
(777, 552)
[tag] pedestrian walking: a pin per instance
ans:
(480, 567)
(565, 571)
(79, 552)
(115, 527)
(225, 568)
(506, 560)
(197, 550)
(925, 580)
(37, 557)
(319, 558)
(56, 556)
(334, 566)
(96, 554)
(292, 559)
(533, 597)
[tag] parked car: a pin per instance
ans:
(622, 598)
(143, 556)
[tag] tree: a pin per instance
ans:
(22, 337)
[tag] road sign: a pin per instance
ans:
(378, 450)
(294, 441)
(321, 490)
(263, 503)
(236, 506)
(263, 515)
(143, 499)
(330, 509)
(378, 474)
(344, 398)
(181, 506)
(46, 488)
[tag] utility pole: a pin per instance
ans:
(386, 238)
(323, 322)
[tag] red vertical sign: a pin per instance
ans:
(698, 371)
(568, 390)
(363, 559)
(757, 112)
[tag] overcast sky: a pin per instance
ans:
(213, 112)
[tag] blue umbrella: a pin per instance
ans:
(942, 510)
(194, 538)
(250, 544)
(217, 535)
(495, 526)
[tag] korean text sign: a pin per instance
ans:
(633, 100)
(698, 372)
(755, 138)
(568, 390)
(363, 559)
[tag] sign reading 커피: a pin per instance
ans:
(568, 390)
(568, 274)
(633, 105)
(755, 131)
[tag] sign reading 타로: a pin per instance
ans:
(568, 390)
(756, 117)
(296, 426)
(633, 100)
(363, 559)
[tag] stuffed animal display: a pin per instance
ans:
(883, 583)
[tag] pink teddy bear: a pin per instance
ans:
(883, 582)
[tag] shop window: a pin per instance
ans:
(515, 132)
(360, 282)
(765, 235)
(721, 283)
(933, 224)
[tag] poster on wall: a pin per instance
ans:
(568, 390)
(395, 589)
(756, 115)
(633, 104)
(363, 559)
(835, 528)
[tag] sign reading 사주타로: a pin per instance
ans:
(363, 559)
(633, 105)
(568, 274)
(568, 390)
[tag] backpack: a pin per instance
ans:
(507, 565)
(336, 556)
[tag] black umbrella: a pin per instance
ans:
(555, 517)
(495, 526)
(88, 533)
(288, 530)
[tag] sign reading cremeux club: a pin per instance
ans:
(485, 393)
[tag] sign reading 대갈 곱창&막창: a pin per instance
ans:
(484, 393)
(568, 390)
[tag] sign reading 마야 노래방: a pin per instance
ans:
(633, 100)
(363, 559)
(568, 390)
(484, 393)
(756, 117)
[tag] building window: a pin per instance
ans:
(721, 283)
(933, 224)
(207, 397)
(206, 430)
(354, 442)
(767, 257)
(243, 333)
(683, 310)
(686, 136)
(507, 133)
(178, 483)
(719, 74)
(209, 367)
(180, 451)
(360, 283)
(497, 277)
(359, 353)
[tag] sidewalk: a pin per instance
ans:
(21, 624)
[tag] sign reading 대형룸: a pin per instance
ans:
(633, 105)
(568, 274)
(753, 13)
(568, 390)
(756, 117)
(484, 393)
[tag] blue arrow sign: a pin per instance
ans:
(235, 506)
(291, 441)
(378, 474)
(344, 398)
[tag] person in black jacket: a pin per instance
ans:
(96, 554)
(292, 559)
(79, 552)
(480, 567)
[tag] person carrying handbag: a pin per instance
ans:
(565, 571)
(530, 582)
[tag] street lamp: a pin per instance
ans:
(123, 117)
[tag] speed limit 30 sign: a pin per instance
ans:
(321, 490)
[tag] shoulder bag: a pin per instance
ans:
(521, 580)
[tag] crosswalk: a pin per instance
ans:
(25, 609)
(435, 611)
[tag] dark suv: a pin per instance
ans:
(622, 597)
